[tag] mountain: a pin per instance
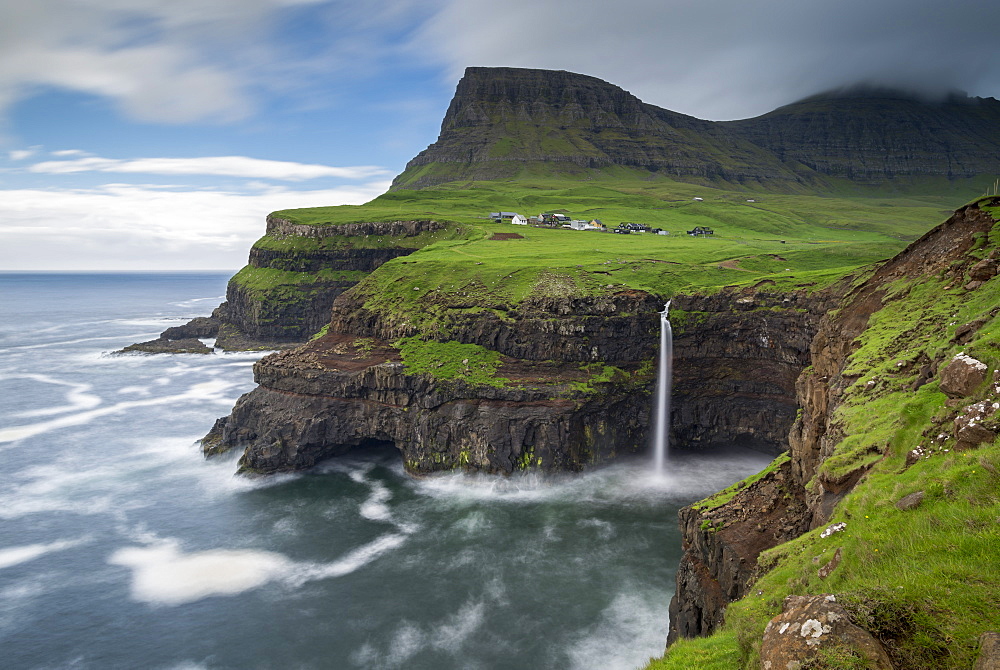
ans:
(870, 135)
(509, 122)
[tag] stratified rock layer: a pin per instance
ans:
(502, 121)
(348, 389)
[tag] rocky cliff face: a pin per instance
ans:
(875, 136)
(295, 272)
(350, 389)
(737, 356)
(503, 121)
(724, 536)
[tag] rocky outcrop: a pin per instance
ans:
(339, 393)
(820, 388)
(721, 543)
(295, 272)
(809, 624)
(737, 355)
(718, 566)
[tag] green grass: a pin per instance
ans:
(790, 242)
(926, 581)
(469, 363)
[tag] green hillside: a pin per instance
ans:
(794, 241)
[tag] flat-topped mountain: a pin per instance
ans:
(509, 122)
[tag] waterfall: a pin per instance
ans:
(664, 380)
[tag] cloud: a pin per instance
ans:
(186, 61)
(146, 227)
(178, 61)
(727, 58)
(21, 154)
(230, 166)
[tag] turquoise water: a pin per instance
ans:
(121, 547)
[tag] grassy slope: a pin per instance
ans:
(793, 240)
(926, 579)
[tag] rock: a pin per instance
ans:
(962, 376)
(164, 346)
(989, 652)
(827, 569)
(977, 424)
(718, 566)
(910, 501)
(984, 270)
(810, 623)
(201, 326)
(964, 333)
(914, 455)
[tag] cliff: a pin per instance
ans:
(568, 384)
(506, 123)
(295, 271)
(898, 373)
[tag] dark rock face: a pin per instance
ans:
(314, 403)
(323, 399)
(287, 314)
(737, 355)
(502, 119)
(721, 545)
(875, 136)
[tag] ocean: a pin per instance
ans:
(122, 547)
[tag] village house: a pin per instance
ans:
(519, 220)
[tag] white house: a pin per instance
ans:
(698, 199)
(519, 220)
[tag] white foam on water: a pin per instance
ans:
(194, 302)
(459, 627)
(375, 507)
(605, 530)
(163, 575)
(409, 638)
(162, 322)
(354, 560)
(140, 391)
(210, 391)
(10, 556)
(78, 397)
(631, 630)
(133, 337)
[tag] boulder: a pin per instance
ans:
(810, 623)
(977, 424)
(910, 501)
(983, 270)
(989, 652)
(962, 376)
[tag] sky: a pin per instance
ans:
(158, 134)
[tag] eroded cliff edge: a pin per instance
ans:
(879, 393)
(551, 383)
(283, 296)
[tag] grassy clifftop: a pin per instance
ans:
(923, 576)
(792, 241)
